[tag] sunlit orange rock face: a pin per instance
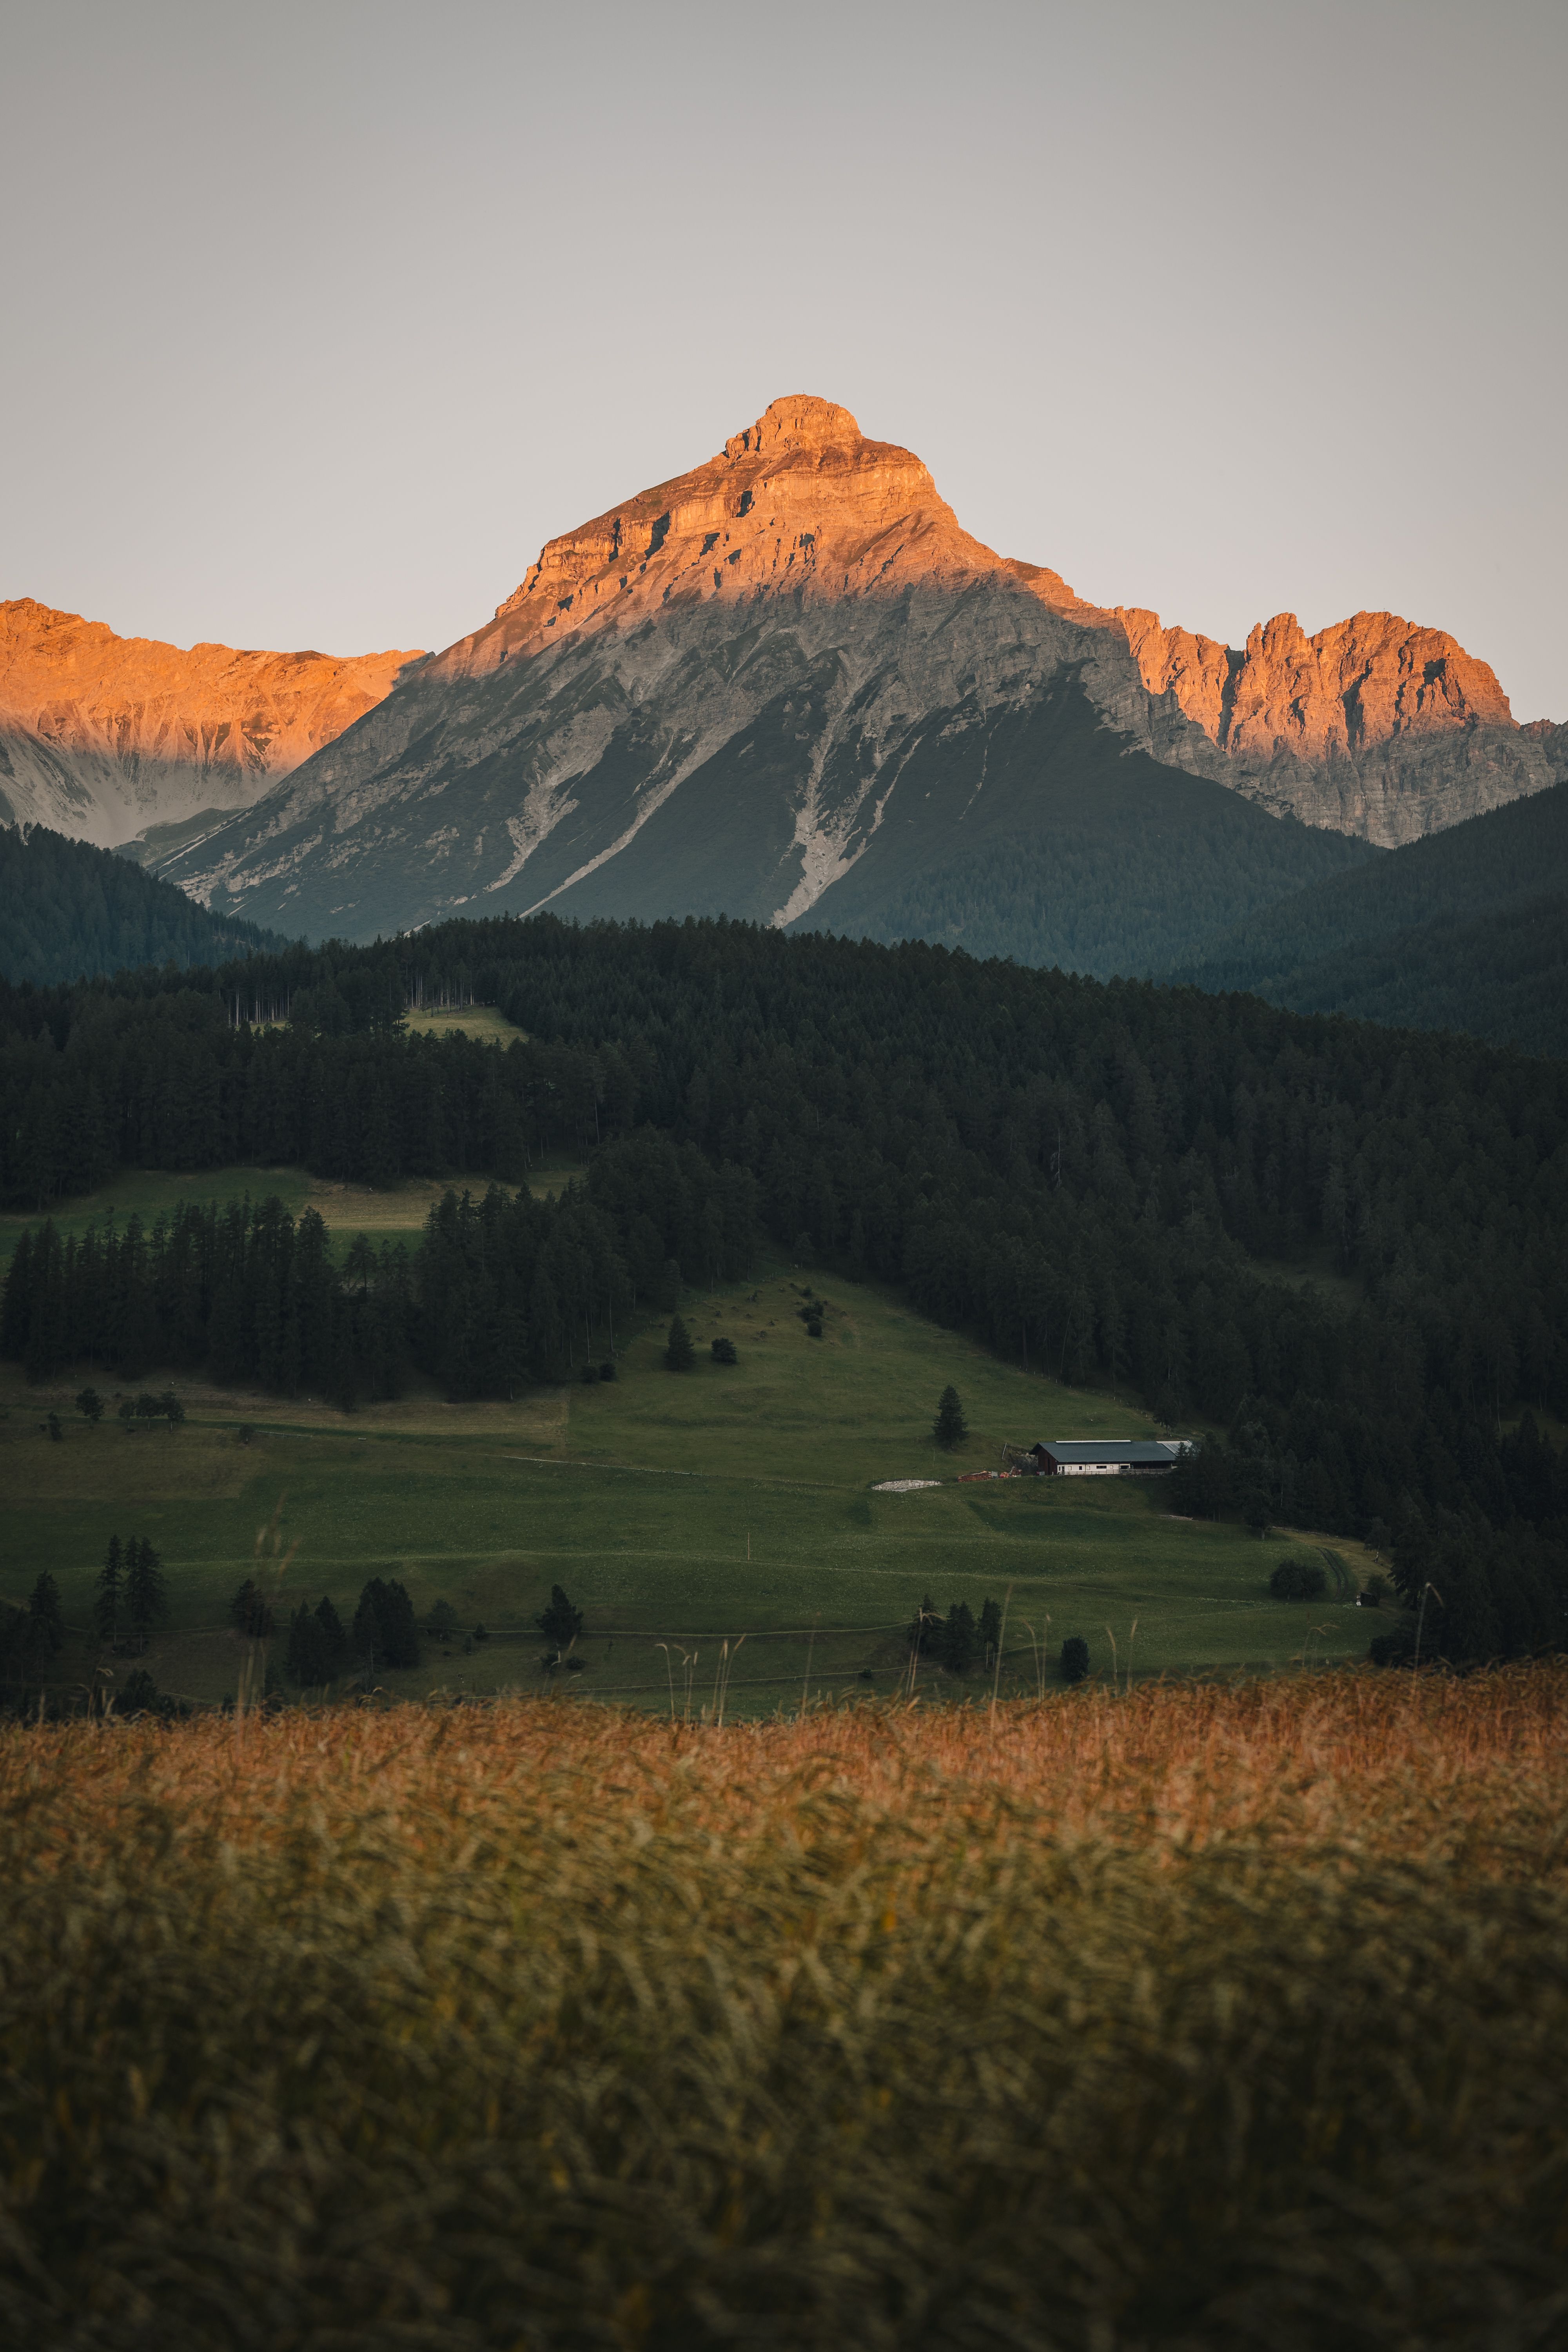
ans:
(1357, 684)
(801, 505)
(101, 735)
(1376, 725)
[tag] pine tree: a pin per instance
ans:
(1075, 1658)
(384, 1631)
(43, 1608)
(950, 1428)
(106, 1602)
(334, 1640)
(399, 1628)
(680, 1355)
(925, 1630)
(146, 1593)
(301, 1657)
(365, 1636)
(990, 1630)
(958, 1639)
(250, 1611)
(560, 1623)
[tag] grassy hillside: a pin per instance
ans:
(1467, 930)
(1232, 2018)
(69, 912)
(689, 1510)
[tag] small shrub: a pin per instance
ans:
(1299, 1579)
(138, 1695)
(607, 1369)
(723, 1351)
(1075, 1659)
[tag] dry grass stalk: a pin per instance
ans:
(1198, 2015)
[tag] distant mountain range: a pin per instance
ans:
(101, 735)
(788, 686)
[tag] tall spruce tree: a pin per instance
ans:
(146, 1593)
(334, 1637)
(385, 1630)
(251, 1611)
(44, 1609)
(958, 1639)
(108, 1593)
(950, 1428)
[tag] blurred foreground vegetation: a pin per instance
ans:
(1189, 2016)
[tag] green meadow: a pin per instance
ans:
(680, 1512)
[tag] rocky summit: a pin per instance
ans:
(789, 686)
(101, 735)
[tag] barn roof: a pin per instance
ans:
(1152, 1453)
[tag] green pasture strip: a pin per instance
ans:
(690, 1508)
(482, 1022)
(397, 1212)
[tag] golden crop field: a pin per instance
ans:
(1200, 2016)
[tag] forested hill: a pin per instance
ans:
(1466, 929)
(69, 911)
(1095, 1178)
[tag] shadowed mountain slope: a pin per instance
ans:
(1466, 930)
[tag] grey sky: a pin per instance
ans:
(320, 319)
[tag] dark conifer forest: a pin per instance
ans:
(1105, 1181)
(69, 911)
(1465, 929)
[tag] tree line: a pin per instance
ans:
(497, 1292)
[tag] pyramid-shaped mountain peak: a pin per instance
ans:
(799, 503)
